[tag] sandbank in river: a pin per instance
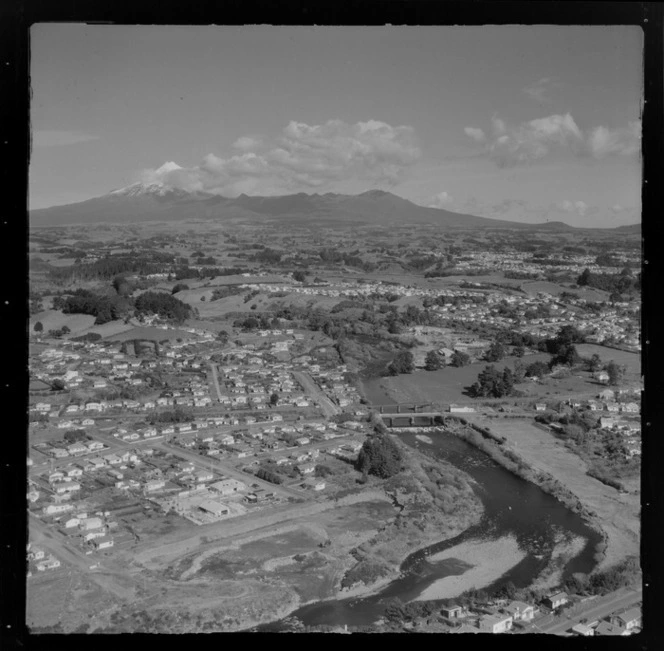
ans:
(489, 560)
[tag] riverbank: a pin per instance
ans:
(487, 561)
(563, 552)
(436, 502)
(614, 514)
(493, 444)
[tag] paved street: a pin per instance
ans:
(328, 407)
(595, 609)
(219, 466)
(215, 379)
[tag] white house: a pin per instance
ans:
(103, 543)
(495, 623)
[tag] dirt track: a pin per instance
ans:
(259, 524)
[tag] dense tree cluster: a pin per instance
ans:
(561, 347)
(433, 361)
(75, 436)
(104, 308)
(269, 475)
(164, 305)
(177, 415)
(616, 372)
(402, 363)
(267, 256)
(379, 456)
(143, 263)
(624, 574)
(459, 359)
(495, 353)
(537, 369)
(252, 323)
(621, 283)
(492, 383)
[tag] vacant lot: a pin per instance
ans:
(585, 293)
(109, 329)
(618, 513)
(54, 320)
(150, 333)
(631, 360)
(444, 386)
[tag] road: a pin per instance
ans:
(215, 379)
(45, 535)
(328, 407)
(226, 469)
(594, 610)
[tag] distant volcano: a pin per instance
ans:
(143, 202)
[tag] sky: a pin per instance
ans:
(525, 123)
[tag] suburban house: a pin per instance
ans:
(54, 509)
(87, 524)
(154, 485)
(452, 612)
(228, 486)
(605, 628)
(305, 468)
(495, 623)
(48, 564)
(629, 620)
(555, 600)
(213, 508)
(520, 611)
(602, 376)
(67, 487)
(102, 543)
(582, 629)
(314, 484)
(36, 554)
(466, 628)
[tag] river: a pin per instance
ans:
(513, 507)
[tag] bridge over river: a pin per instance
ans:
(410, 414)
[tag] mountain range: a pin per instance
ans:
(154, 202)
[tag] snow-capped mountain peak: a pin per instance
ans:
(156, 190)
(143, 189)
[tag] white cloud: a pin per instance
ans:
(538, 89)
(578, 207)
(533, 140)
(475, 134)
(247, 143)
(441, 200)
(604, 142)
(55, 138)
(302, 156)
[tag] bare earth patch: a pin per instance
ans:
(489, 560)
